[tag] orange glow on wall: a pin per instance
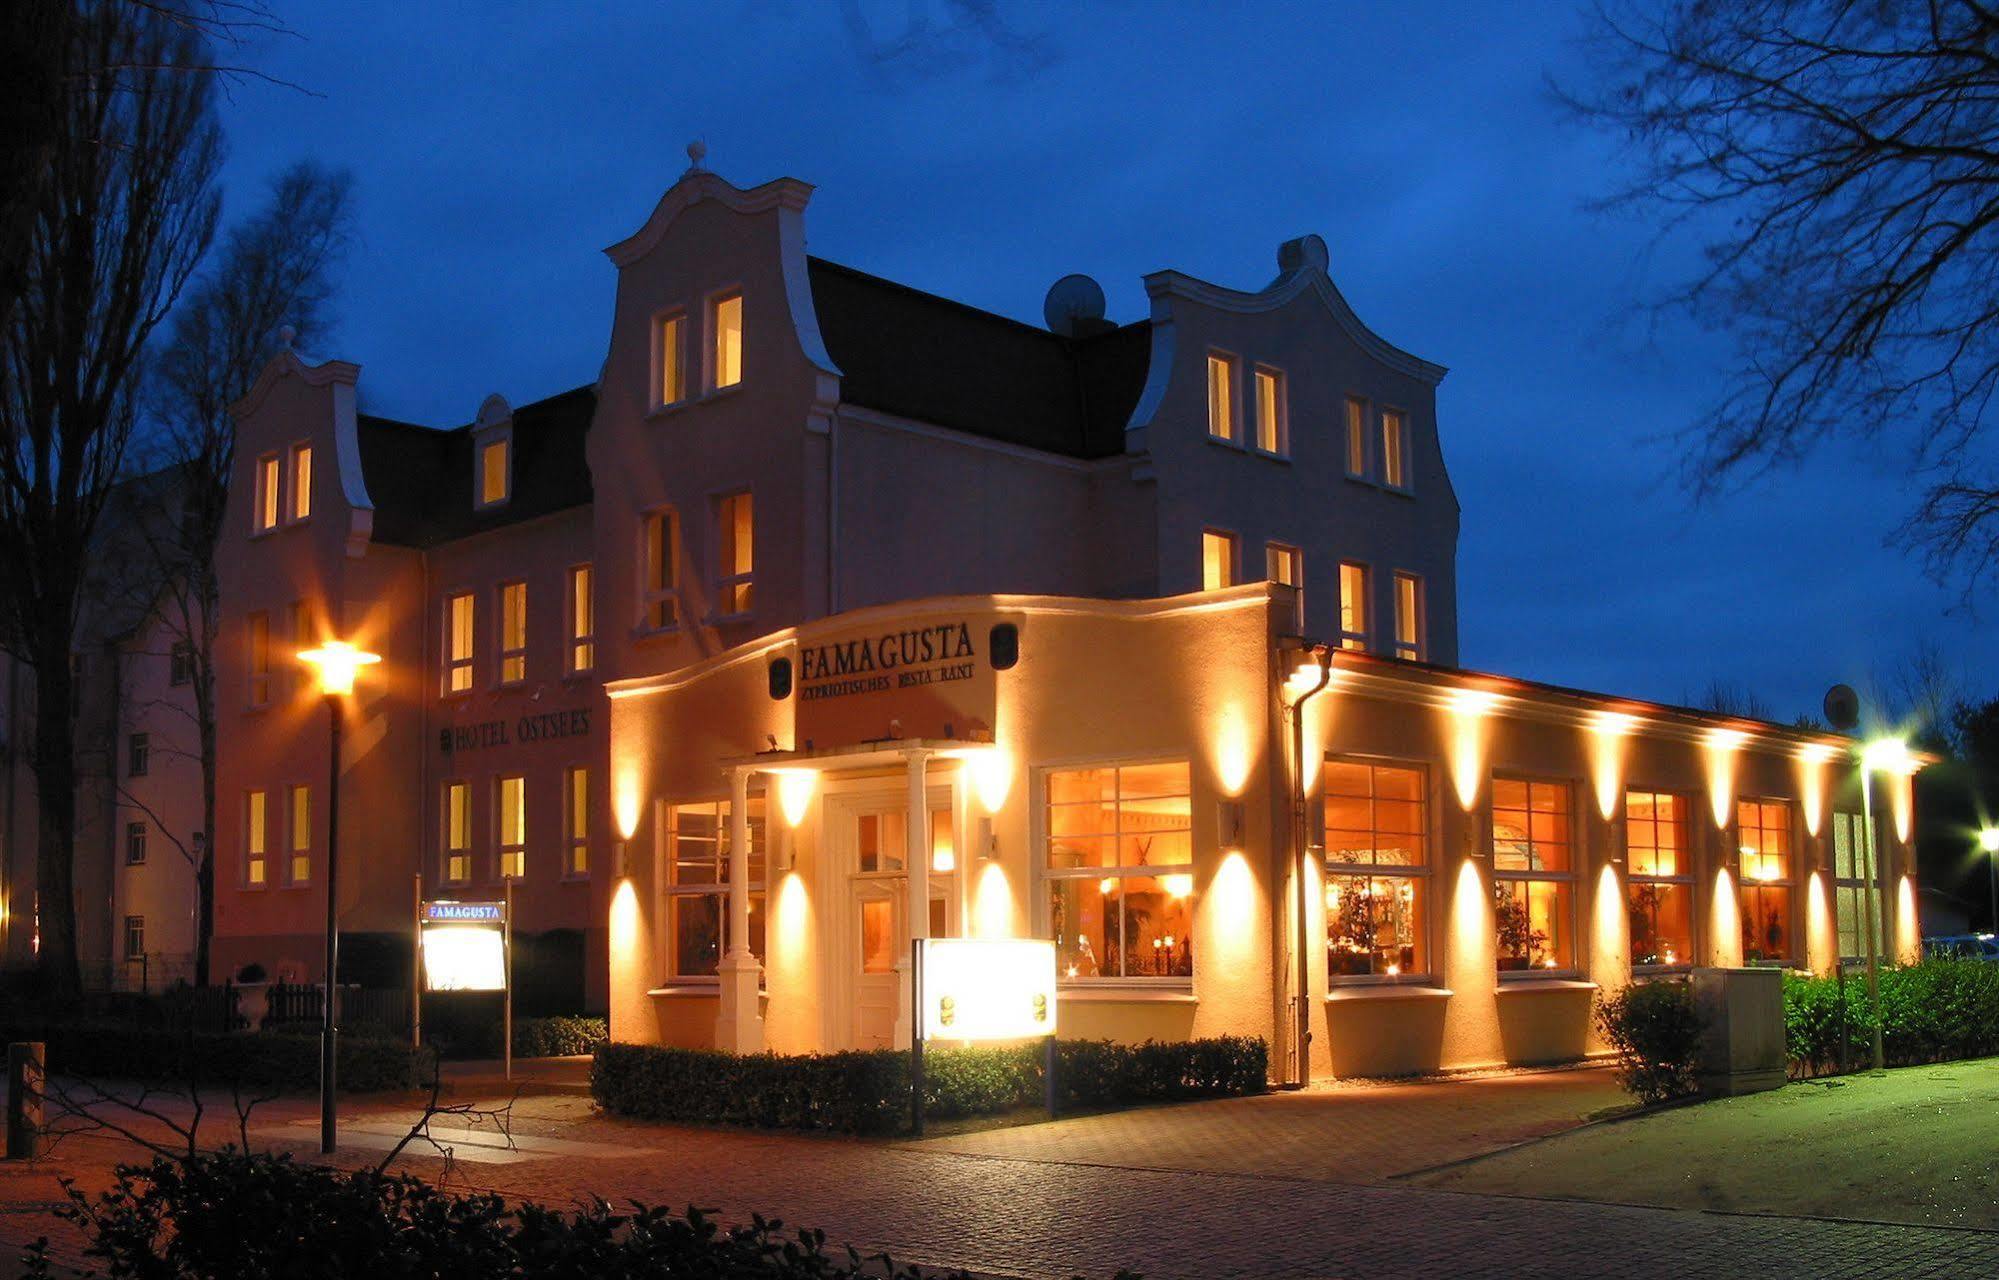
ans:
(992, 904)
(1469, 711)
(1902, 799)
(1232, 904)
(627, 964)
(1725, 944)
(1721, 747)
(794, 794)
(790, 935)
(1235, 750)
(1610, 934)
(1608, 731)
(992, 776)
(625, 801)
(1908, 926)
(1471, 932)
(1821, 938)
(1813, 758)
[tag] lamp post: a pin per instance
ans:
(1988, 840)
(335, 664)
(1881, 754)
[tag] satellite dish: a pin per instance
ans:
(1842, 707)
(1074, 306)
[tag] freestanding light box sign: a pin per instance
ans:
(465, 946)
(988, 988)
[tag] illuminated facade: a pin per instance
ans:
(836, 614)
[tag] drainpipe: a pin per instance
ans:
(1301, 844)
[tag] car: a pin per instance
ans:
(1970, 946)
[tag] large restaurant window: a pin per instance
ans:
(1377, 869)
(1852, 863)
(1221, 397)
(298, 818)
(301, 508)
(511, 827)
(1659, 878)
(1409, 617)
(1120, 871)
(725, 315)
(576, 821)
(669, 358)
(1394, 449)
(582, 619)
(735, 541)
(1533, 873)
(1763, 835)
(1218, 557)
(264, 516)
(256, 837)
(257, 642)
(660, 587)
(513, 632)
(1356, 438)
(459, 614)
(1271, 436)
(1353, 605)
(698, 897)
(457, 832)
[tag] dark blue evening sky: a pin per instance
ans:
(499, 147)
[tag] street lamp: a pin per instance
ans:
(1988, 840)
(1886, 755)
(335, 663)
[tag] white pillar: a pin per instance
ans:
(739, 1026)
(916, 860)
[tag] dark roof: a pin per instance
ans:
(916, 355)
(420, 478)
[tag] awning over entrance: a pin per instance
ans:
(877, 753)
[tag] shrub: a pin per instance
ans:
(562, 1036)
(268, 1060)
(1937, 1011)
(867, 1091)
(231, 1214)
(1656, 1031)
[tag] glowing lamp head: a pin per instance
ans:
(335, 664)
(1886, 755)
(1988, 839)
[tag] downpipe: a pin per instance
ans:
(1301, 1048)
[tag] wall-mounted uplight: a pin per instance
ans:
(1229, 820)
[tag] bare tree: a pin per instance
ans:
(126, 214)
(1839, 160)
(1731, 698)
(1921, 697)
(273, 273)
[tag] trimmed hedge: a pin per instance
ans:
(264, 1060)
(1937, 1011)
(867, 1091)
(1656, 1029)
(562, 1036)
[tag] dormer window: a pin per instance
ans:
(1222, 398)
(495, 479)
(725, 323)
(265, 516)
(669, 357)
(301, 477)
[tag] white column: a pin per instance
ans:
(916, 860)
(739, 1026)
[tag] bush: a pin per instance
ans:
(231, 1214)
(867, 1091)
(1937, 1011)
(562, 1036)
(286, 1061)
(1656, 1031)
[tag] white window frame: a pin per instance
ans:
(576, 824)
(1682, 880)
(1232, 385)
(1355, 432)
(266, 494)
(1043, 876)
(1395, 425)
(503, 848)
(1571, 877)
(1788, 882)
(1418, 872)
(455, 802)
(1860, 884)
(1416, 650)
(294, 852)
(1273, 552)
(1280, 447)
(1356, 639)
(517, 654)
(1233, 542)
(665, 597)
(727, 582)
(455, 663)
(673, 891)
(135, 930)
(711, 334)
(299, 493)
(135, 843)
(256, 869)
(579, 624)
(674, 360)
(138, 754)
(502, 436)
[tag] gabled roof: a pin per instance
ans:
(919, 356)
(420, 478)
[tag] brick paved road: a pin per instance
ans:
(1033, 1212)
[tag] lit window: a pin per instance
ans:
(1357, 438)
(698, 898)
(265, 517)
(661, 595)
(1221, 397)
(1763, 833)
(135, 937)
(303, 637)
(299, 809)
(1533, 873)
(582, 620)
(459, 615)
(1377, 869)
(1286, 567)
(669, 356)
(735, 539)
(495, 471)
(726, 316)
(1119, 864)
(1353, 606)
(1658, 861)
(180, 663)
(301, 482)
(457, 832)
(1394, 449)
(1854, 873)
(256, 846)
(576, 821)
(1409, 617)
(882, 842)
(1217, 560)
(138, 755)
(258, 643)
(135, 844)
(512, 827)
(1270, 424)
(513, 632)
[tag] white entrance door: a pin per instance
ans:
(878, 918)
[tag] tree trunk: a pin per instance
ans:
(204, 715)
(55, 797)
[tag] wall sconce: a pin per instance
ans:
(787, 848)
(621, 859)
(984, 841)
(1229, 824)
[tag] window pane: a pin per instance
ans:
(513, 811)
(1269, 407)
(267, 493)
(877, 935)
(1532, 924)
(671, 379)
(1530, 825)
(1408, 616)
(1655, 833)
(1373, 926)
(728, 316)
(458, 816)
(1356, 437)
(1217, 560)
(493, 472)
(736, 536)
(1122, 926)
(255, 824)
(1766, 922)
(1661, 918)
(1221, 397)
(513, 632)
(1763, 829)
(697, 933)
(1353, 606)
(1394, 467)
(582, 620)
(301, 482)
(1281, 565)
(579, 804)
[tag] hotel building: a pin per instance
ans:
(835, 614)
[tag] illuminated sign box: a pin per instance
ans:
(988, 988)
(464, 946)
